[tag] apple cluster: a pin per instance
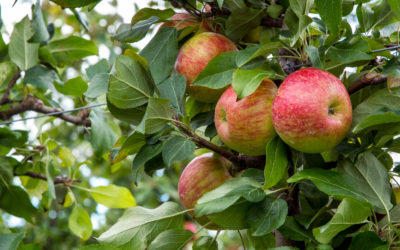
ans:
(310, 111)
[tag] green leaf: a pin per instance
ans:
(218, 72)
(172, 239)
(235, 4)
(113, 196)
(99, 247)
(79, 222)
(102, 136)
(246, 55)
(70, 49)
(6, 172)
(205, 243)
(241, 21)
(395, 7)
(382, 116)
(173, 88)
(292, 230)
(331, 14)
(73, 3)
(50, 178)
(7, 71)
(131, 87)
(75, 87)
(130, 146)
(339, 185)
(99, 68)
(315, 58)
(276, 162)
(146, 13)
(24, 54)
(10, 241)
(139, 226)
(132, 115)
(368, 241)
(161, 53)
(158, 114)
(40, 76)
(300, 7)
(348, 213)
(372, 179)
(237, 211)
(146, 153)
(98, 85)
(346, 56)
(228, 194)
(245, 82)
(39, 26)
(130, 34)
(16, 202)
(267, 216)
(177, 149)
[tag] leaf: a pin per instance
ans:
(16, 202)
(276, 162)
(99, 68)
(267, 216)
(10, 241)
(237, 211)
(368, 241)
(99, 247)
(39, 27)
(146, 13)
(315, 58)
(346, 56)
(79, 222)
(146, 153)
(130, 146)
(227, 194)
(50, 178)
(176, 149)
(172, 239)
(73, 3)
(330, 12)
(139, 226)
(372, 179)
(245, 82)
(113, 196)
(348, 213)
(7, 71)
(24, 54)
(158, 114)
(132, 115)
(251, 52)
(6, 172)
(161, 53)
(300, 7)
(98, 85)
(173, 88)
(70, 49)
(205, 243)
(131, 87)
(292, 230)
(218, 72)
(241, 21)
(382, 116)
(75, 87)
(130, 34)
(339, 185)
(40, 76)
(102, 136)
(395, 7)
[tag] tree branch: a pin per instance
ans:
(368, 79)
(13, 81)
(240, 161)
(31, 103)
(57, 180)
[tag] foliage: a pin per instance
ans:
(145, 128)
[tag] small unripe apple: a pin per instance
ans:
(194, 56)
(245, 125)
(203, 174)
(312, 111)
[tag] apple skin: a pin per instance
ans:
(245, 125)
(194, 56)
(203, 174)
(312, 111)
(183, 20)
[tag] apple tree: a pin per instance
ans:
(260, 124)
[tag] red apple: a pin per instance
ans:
(245, 125)
(203, 174)
(194, 56)
(312, 111)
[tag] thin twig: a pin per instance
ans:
(13, 81)
(57, 180)
(387, 48)
(368, 79)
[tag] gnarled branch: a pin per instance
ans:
(368, 79)
(57, 180)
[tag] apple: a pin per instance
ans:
(184, 19)
(245, 125)
(203, 174)
(194, 56)
(312, 111)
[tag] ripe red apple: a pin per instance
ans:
(312, 111)
(203, 174)
(194, 56)
(245, 125)
(183, 20)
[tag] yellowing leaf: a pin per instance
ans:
(79, 223)
(66, 156)
(113, 196)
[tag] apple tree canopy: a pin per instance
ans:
(101, 110)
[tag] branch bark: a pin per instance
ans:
(13, 81)
(368, 79)
(57, 180)
(31, 103)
